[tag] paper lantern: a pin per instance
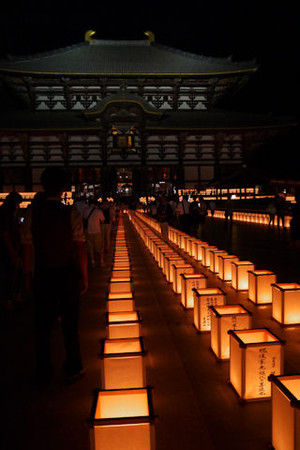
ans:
(121, 325)
(286, 303)
(203, 299)
(121, 264)
(121, 273)
(239, 274)
(122, 364)
(118, 285)
(120, 304)
(169, 261)
(122, 419)
(254, 355)
(188, 283)
(225, 266)
(285, 411)
(206, 255)
(260, 286)
(223, 319)
(197, 249)
(213, 259)
(178, 269)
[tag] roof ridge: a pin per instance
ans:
(135, 42)
(200, 57)
(17, 58)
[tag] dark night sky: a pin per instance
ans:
(245, 29)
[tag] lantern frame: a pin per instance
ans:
(127, 328)
(117, 422)
(236, 269)
(255, 276)
(234, 337)
(214, 261)
(186, 290)
(186, 268)
(219, 298)
(224, 261)
(281, 301)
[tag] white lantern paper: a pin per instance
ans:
(123, 325)
(254, 355)
(260, 286)
(177, 270)
(286, 303)
(203, 299)
(240, 278)
(188, 283)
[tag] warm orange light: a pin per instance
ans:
(122, 364)
(172, 260)
(239, 272)
(177, 270)
(223, 319)
(225, 266)
(213, 259)
(122, 317)
(206, 254)
(120, 305)
(122, 285)
(286, 303)
(254, 355)
(123, 325)
(203, 299)
(260, 286)
(121, 273)
(188, 283)
(285, 411)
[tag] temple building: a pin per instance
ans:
(125, 113)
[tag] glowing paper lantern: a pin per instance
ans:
(178, 269)
(197, 249)
(121, 325)
(260, 289)
(169, 261)
(188, 283)
(122, 364)
(118, 285)
(120, 304)
(223, 319)
(203, 299)
(121, 273)
(285, 411)
(206, 255)
(225, 266)
(213, 259)
(122, 419)
(239, 274)
(286, 303)
(254, 355)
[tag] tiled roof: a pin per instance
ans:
(122, 57)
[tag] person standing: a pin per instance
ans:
(53, 233)
(271, 210)
(10, 251)
(106, 225)
(212, 207)
(94, 236)
(164, 213)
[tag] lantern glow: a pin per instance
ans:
(122, 416)
(206, 254)
(260, 289)
(120, 305)
(188, 283)
(223, 319)
(122, 364)
(214, 260)
(123, 325)
(239, 272)
(285, 411)
(203, 299)
(286, 303)
(119, 285)
(254, 355)
(177, 270)
(225, 266)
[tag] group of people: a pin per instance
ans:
(43, 256)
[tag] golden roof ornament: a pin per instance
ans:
(150, 36)
(88, 37)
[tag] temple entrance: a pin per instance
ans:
(124, 182)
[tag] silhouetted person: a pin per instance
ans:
(164, 214)
(53, 233)
(10, 250)
(271, 210)
(295, 222)
(281, 209)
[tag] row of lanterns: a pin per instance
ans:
(255, 355)
(122, 413)
(252, 217)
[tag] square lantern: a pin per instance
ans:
(203, 299)
(122, 419)
(188, 283)
(165, 261)
(254, 355)
(206, 255)
(118, 285)
(172, 260)
(123, 324)
(189, 246)
(239, 274)
(260, 286)
(197, 249)
(178, 269)
(223, 319)
(225, 266)
(285, 412)
(213, 259)
(121, 265)
(121, 273)
(286, 303)
(120, 304)
(122, 363)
